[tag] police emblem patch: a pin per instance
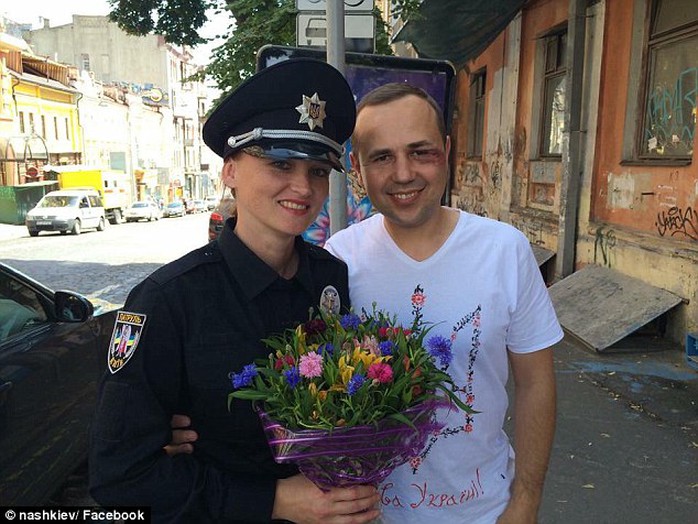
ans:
(312, 111)
(329, 300)
(124, 339)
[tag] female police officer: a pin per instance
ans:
(192, 322)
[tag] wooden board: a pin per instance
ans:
(600, 306)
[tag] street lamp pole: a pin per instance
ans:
(336, 57)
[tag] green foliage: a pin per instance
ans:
(257, 23)
(345, 372)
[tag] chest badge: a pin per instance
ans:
(124, 339)
(329, 300)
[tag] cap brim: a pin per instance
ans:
(298, 151)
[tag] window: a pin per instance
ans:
(554, 98)
(55, 126)
(22, 127)
(43, 126)
(671, 81)
(476, 117)
(85, 61)
(31, 123)
(67, 129)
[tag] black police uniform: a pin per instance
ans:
(204, 317)
(193, 322)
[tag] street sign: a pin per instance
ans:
(321, 5)
(359, 31)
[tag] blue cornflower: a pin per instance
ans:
(327, 347)
(293, 377)
(355, 383)
(386, 347)
(350, 321)
(244, 378)
(440, 347)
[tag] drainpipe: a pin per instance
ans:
(572, 169)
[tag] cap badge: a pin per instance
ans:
(312, 111)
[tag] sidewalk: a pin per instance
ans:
(626, 445)
(11, 232)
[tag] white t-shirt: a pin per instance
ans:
(484, 290)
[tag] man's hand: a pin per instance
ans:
(299, 500)
(182, 437)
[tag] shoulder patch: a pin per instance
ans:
(124, 339)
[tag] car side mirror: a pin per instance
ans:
(71, 307)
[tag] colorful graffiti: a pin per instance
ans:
(671, 116)
(678, 222)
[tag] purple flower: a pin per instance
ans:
(327, 347)
(293, 377)
(386, 347)
(355, 383)
(350, 321)
(244, 378)
(440, 347)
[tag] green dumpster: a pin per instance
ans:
(16, 201)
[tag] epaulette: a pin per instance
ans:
(207, 254)
(319, 253)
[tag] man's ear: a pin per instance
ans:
(356, 167)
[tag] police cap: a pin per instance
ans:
(298, 108)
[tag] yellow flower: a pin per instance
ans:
(312, 388)
(345, 370)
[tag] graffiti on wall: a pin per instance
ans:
(604, 243)
(671, 115)
(678, 222)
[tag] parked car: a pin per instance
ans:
(174, 209)
(53, 350)
(142, 210)
(211, 202)
(223, 211)
(199, 206)
(67, 210)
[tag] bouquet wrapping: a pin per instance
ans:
(349, 398)
(364, 454)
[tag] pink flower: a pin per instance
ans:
(380, 371)
(310, 365)
(418, 299)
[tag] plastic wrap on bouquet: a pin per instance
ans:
(353, 455)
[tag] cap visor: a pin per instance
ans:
(300, 151)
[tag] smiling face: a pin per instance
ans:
(276, 199)
(401, 157)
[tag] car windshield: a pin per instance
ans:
(174, 204)
(58, 201)
(139, 204)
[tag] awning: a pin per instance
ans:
(457, 30)
(600, 307)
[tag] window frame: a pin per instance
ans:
(639, 77)
(476, 114)
(549, 75)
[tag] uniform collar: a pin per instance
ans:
(251, 272)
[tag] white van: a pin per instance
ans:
(67, 210)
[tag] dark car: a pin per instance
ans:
(224, 210)
(53, 350)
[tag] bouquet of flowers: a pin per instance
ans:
(350, 398)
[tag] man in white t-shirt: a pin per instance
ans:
(477, 280)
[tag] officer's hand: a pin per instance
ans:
(299, 500)
(181, 436)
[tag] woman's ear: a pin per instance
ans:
(229, 172)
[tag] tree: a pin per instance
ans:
(257, 22)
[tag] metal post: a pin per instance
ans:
(335, 57)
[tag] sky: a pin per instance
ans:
(61, 12)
